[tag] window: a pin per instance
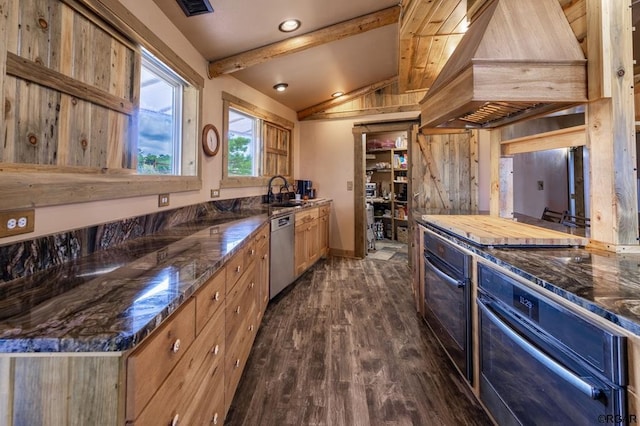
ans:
(258, 144)
(160, 118)
(244, 143)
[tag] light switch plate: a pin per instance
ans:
(17, 222)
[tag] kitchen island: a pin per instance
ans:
(603, 288)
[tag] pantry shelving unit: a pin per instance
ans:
(386, 166)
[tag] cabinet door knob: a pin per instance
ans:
(252, 284)
(176, 346)
(215, 419)
(176, 420)
(216, 349)
(251, 327)
(252, 252)
(264, 256)
(216, 296)
(238, 268)
(238, 310)
(237, 364)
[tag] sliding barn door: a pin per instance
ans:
(444, 171)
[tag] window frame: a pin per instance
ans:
(233, 102)
(177, 83)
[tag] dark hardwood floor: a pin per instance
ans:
(344, 346)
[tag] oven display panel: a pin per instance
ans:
(526, 304)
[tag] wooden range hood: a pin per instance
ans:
(518, 59)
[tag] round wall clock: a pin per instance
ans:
(210, 140)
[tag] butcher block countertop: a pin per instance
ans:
(496, 231)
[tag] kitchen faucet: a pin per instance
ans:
(270, 192)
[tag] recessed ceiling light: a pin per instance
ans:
(337, 94)
(281, 87)
(289, 25)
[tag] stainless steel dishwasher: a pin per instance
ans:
(281, 272)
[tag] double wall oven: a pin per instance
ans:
(447, 299)
(542, 363)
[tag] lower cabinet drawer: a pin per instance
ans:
(240, 301)
(187, 391)
(210, 298)
(149, 365)
(239, 347)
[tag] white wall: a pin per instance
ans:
(550, 167)
(66, 217)
(327, 159)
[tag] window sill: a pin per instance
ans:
(27, 189)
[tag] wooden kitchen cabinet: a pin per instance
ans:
(323, 229)
(186, 395)
(262, 271)
(306, 240)
(150, 363)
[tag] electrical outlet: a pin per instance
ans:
(215, 193)
(16, 222)
(162, 255)
(163, 200)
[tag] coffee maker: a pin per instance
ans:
(304, 188)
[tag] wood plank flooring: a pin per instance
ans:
(344, 346)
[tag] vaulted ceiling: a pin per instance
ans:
(382, 54)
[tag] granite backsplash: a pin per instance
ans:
(28, 257)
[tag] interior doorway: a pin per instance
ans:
(393, 191)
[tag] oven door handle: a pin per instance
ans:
(443, 275)
(592, 391)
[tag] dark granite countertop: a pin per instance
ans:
(110, 300)
(605, 283)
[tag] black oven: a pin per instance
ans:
(447, 299)
(541, 363)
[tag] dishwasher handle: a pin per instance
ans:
(592, 391)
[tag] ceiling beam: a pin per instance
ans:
(323, 106)
(328, 34)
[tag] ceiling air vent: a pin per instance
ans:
(195, 7)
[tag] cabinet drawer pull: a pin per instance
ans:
(215, 349)
(252, 252)
(176, 346)
(251, 327)
(264, 256)
(252, 284)
(176, 420)
(238, 310)
(238, 269)
(216, 296)
(237, 364)
(215, 419)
